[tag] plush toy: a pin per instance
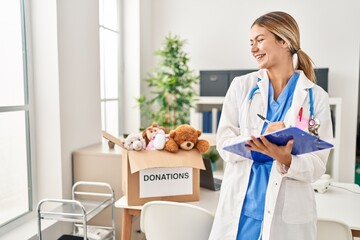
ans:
(155, 137)
(134, 141)
(160, 139)
(186, 137)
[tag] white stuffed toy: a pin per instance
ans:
(155, 137)
(134, 142)
(159, 140)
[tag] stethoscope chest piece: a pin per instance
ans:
(314, 125)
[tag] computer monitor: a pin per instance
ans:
(322, 77)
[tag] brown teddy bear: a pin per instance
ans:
(186, 137)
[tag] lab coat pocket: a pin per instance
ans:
(299, 203)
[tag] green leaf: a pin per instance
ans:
(171, 85)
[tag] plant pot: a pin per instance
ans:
(213, 166)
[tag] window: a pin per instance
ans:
(109, 65)
(15, 170)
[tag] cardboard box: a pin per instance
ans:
(160, 175)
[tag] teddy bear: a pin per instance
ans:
(155, 137)
(186, 137)
(134, 141)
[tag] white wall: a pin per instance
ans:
(131, 61)
(67, 87)
(218, 38)
(46, 91)
(79, 79)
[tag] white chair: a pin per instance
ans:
(328, 229)
(163, 220)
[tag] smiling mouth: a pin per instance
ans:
(258, 57)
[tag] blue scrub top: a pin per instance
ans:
(253, 208)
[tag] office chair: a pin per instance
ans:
(163, 220)
(333, 230)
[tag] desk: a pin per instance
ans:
(337, 203)
(340, 204)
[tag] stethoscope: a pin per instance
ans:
(313, 123)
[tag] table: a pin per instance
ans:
(337, 203)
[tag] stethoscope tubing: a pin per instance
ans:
(311, 101)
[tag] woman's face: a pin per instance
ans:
(267, 51)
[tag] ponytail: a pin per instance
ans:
(306, 65)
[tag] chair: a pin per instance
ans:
(163, 220)
(328, 229)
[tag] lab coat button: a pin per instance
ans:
(268, 211)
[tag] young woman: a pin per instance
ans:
(269, 197)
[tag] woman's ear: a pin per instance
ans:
(284, 44)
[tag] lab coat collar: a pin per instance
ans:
(300, 94)
(263, 85)
(303, 82)
(301, 91)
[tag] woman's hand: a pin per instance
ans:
(274, 126)
(281, 153)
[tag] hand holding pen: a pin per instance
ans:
(272, 126)
(264, 119)
(281, 153)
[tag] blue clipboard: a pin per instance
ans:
(304, 142)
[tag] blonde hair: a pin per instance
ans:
(285, 28)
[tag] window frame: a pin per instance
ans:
(104, 100)
(29, 120)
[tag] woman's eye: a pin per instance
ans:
(260, 40)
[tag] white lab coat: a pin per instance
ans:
(290, 208)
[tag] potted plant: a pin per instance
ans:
(171, 86)
(213, 156)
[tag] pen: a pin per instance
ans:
(300, 114)
(264, 119)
